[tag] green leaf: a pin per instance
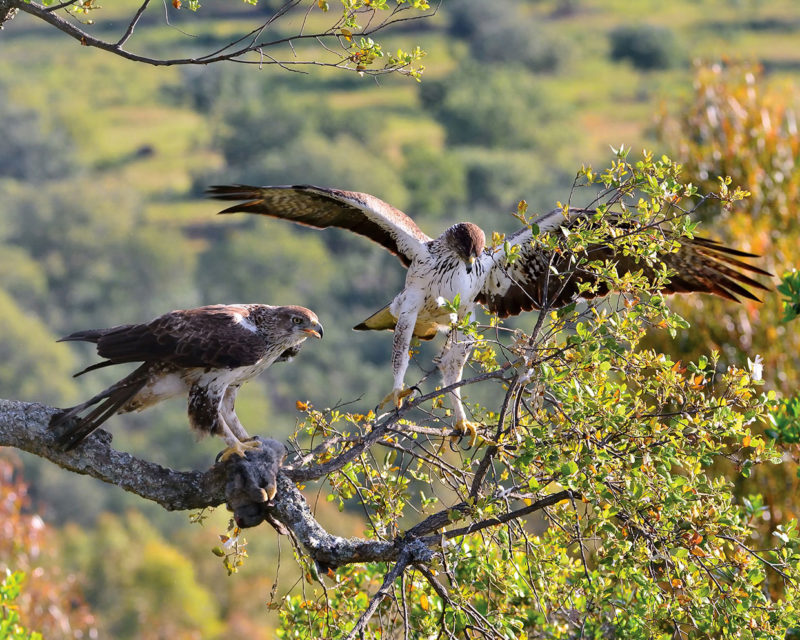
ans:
(569, 468)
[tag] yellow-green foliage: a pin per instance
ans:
(11, 627)
(737, 125)
(145, 587)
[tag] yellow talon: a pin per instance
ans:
(464, 427)
(268, 493)
(396, 398)
(238, 449)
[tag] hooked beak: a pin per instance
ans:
(470, 262)
(315, 331)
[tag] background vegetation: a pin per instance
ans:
(102, 167)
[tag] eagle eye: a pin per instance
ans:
(297, 320)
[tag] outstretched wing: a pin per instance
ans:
(321, 207)
(539, 278)
(217, 336)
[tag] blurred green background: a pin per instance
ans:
(102, 221)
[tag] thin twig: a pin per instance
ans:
(771, 565)
(550, 500)
(61, 5)
(406, 557)
(129, 31)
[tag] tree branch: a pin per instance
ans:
(7, 12)
(25, 426)
(61, 5)
(129, 31)
(412, 553)
(9, 8)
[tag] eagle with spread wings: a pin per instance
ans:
(457, 264)
(207, 353)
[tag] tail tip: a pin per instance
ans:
(58, 418)
(63, 426)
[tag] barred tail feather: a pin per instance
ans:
(378, 321)
(71, 428)
(383, 320)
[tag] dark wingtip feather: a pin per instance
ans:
(75, 430)
(235, 192)
(57, 419)
(67, 440)
(66, 426)
(716, 245)
(713, 249)
(241, 208)
(88, 335)
(97, 365)
(729, 281)
(234, 209)
(74, 337)
(230, 191)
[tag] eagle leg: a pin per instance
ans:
(226, 409)
(451, 363)
(406, 317)
(211, 411)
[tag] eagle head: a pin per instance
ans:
(299, 322)
(467, 241)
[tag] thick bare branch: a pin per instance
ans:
(25, 426)
(330, 551)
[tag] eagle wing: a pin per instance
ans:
(540, 278)
(212, 336)
(320, 207)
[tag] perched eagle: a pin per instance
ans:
(457, 263)
(208, 353)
